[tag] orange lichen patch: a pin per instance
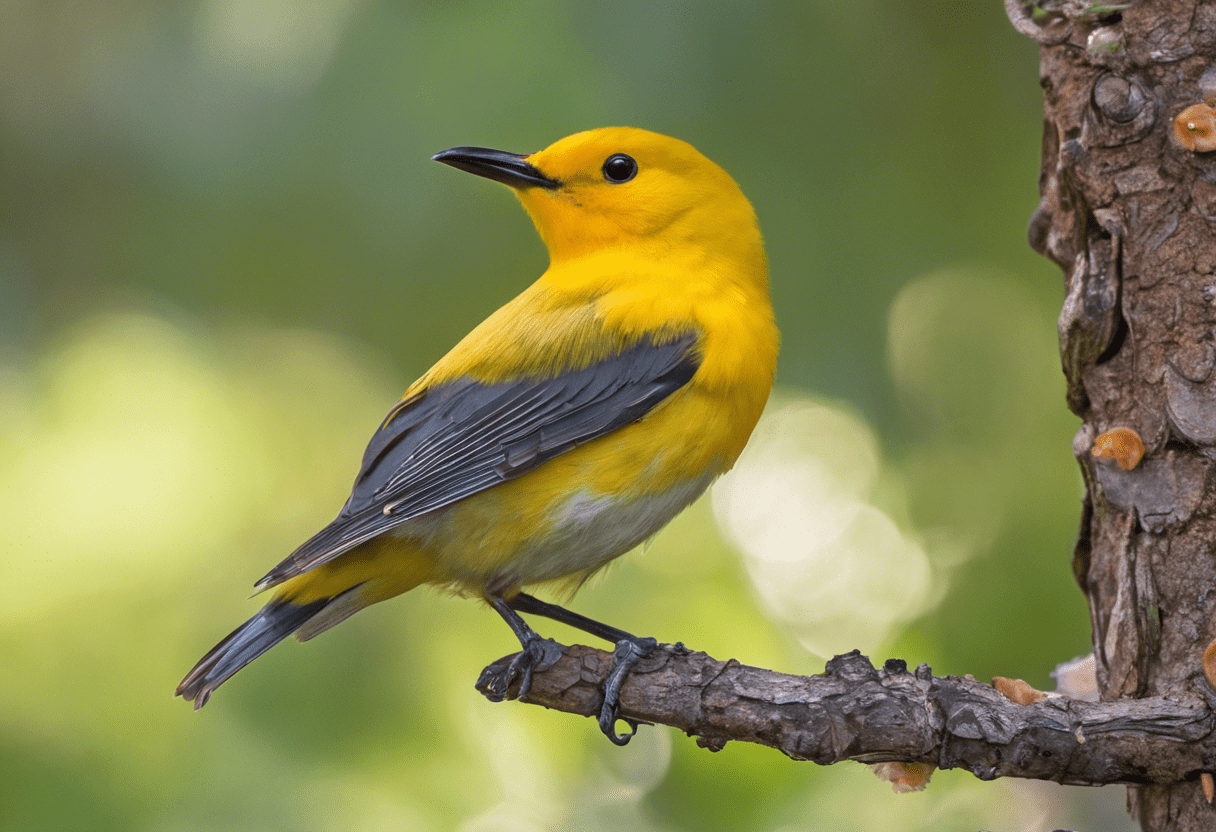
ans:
(1017, 691)
(904, 777)
(1123, 445)
(1209, 786)
(1195, 128)
(1209, 664)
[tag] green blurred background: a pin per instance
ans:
(224, 253)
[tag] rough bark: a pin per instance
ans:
(856, 712)
(1128, 213)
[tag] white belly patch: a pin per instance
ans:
(591, 529)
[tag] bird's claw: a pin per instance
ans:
(496, 680)
(626, 655)
(608, 726)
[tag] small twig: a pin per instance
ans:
(856, 712)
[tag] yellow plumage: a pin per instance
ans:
(656, 292)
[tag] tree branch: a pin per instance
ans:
(856, 712)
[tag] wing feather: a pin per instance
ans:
(456, 439)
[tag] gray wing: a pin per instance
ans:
(456, 439)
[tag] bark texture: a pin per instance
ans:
(1128, 213)
(856, 712)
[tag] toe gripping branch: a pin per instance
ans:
(541, 653)
(628, 652)
(537, 653)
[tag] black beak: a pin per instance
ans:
(507, 168)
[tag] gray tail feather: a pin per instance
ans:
(273, 623)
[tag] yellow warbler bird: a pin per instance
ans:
(567, 428)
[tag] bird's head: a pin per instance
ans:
(619, 186)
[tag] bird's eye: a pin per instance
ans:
(620, 168)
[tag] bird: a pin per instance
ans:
(568, 427)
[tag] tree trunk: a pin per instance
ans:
(1128, 212)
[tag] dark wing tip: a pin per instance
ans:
(342, 535)
(271, 578)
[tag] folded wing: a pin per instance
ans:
(453, 440)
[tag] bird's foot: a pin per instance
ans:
(537, 654)
(628, 652)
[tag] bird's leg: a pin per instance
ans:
(539, 653)
(630, 649)
(534, 606)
